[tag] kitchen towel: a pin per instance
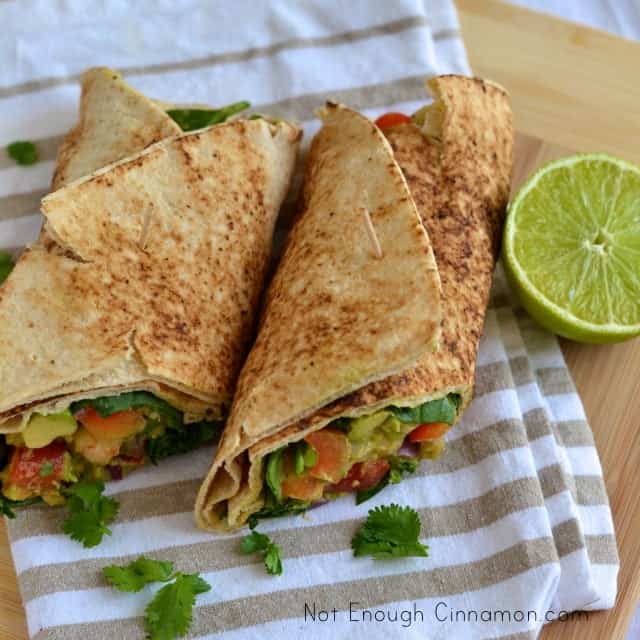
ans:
(515, 513)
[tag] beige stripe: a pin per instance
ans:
(369, 592)
(47, 150)
(245, 55)
(445, 34)
(493, 377)
(573, 433)
(20, 204)
(590, 490)
(602, 549)
(555, 380)
(585, 490)
(537, 424)
(178, 497)
(568, 537)
(521, 370)
(463, 517)
(552, 480)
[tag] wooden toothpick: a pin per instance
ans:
(377, 249)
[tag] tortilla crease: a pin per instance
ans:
(154, 278)
(115, 121)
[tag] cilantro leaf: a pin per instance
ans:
(89, 513)
(169, 614)
(23, 152)
(400, 467)
(272, 560)
(440, 410)
(135, 575)
(191, 119)
(391, 531)
(260, 543)
(6, 265)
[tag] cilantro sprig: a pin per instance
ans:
(89, 513)
(23, 152)
(391, 531)
(260, 543)
(134, 576)
(170, 612)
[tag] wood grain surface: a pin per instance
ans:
(578, 88)
(572, 88)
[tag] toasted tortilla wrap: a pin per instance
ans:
(456, 156)
(140, 294)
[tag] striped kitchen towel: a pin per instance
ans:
(515, 513)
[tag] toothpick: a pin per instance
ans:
(377, 249)
(144, 233)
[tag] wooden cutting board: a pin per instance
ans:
(577, 88)
(572, 88)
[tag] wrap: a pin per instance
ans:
(133, 312)
(286, 445)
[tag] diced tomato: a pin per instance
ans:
(37, 468)
(428, 431)
(119, 425)
(362, 476)
(391, 120)
(332, 447)
(303, 487)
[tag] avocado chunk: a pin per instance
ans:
(361, 429)
(43, 429)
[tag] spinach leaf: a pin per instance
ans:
(192, 119)
(400, 467)
(186, 438)
(108, 405)
(273, 475)
(272, 509)
(440, 410)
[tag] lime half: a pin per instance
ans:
(572, 247)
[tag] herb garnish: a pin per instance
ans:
(391, 531)
(260, 543)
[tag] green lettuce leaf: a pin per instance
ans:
(440, 410)
(192, 119)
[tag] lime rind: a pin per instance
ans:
(547, 312)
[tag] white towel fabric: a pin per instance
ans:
(515, 512)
